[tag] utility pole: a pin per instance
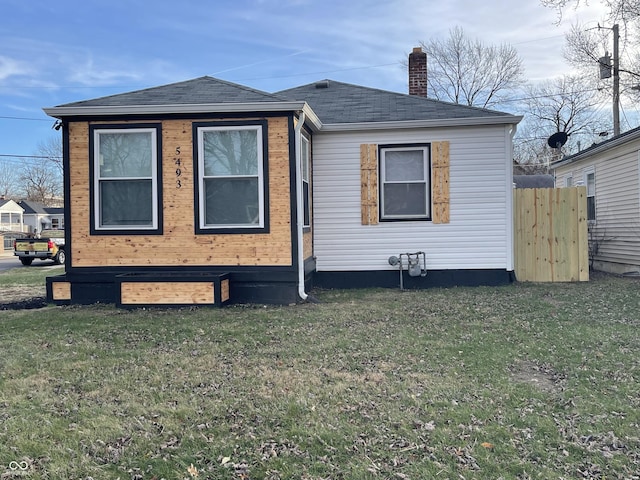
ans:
(616, 82)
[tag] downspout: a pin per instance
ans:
(300, 206)
(510, 190)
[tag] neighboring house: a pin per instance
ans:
(37, 217)
(206, 191)
(534, 181)
(11, 216)
(611, 173)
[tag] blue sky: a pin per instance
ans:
(55, 52)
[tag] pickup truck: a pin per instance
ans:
(49, 245)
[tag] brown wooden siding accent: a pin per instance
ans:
(224, 291)
(440, 176)
(179, 245)
(369, 183)
(440, 179)
(61, 290)
(165, 293)
(307, 244)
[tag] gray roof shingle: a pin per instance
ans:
(333, 103)
(337, 102)
(202, 90)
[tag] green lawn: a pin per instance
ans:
(516, 382)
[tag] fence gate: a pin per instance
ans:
(550, 234)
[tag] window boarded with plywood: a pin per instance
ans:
(369, 185)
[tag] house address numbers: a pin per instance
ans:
(177, 160)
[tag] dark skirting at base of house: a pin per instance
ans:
(181, 288)
(433, 278)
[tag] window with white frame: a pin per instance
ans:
(590, 181)
(305, 159)
(231, 164)
(568, 181)
(125, 178)
(405, 182)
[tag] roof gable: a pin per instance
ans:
(10, 206)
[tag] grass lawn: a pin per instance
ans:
(516, 382)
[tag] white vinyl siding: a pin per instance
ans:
(617, 209)
(478, 235)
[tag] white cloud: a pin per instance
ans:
(10, 67)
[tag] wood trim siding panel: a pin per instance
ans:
(440, 181)
(180, 245)
(369, 183)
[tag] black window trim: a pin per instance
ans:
(429, 192)
(265, 177)
(93, 229)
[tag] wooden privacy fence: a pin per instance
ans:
(550, 234)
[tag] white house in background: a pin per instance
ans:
(38, 217)
(611, 172)
(11, 216)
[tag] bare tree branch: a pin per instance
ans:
(465, 71)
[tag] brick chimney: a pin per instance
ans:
(418, 72)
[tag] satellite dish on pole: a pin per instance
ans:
(557, 140)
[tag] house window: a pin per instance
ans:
(55, 223)
(305, 159)
(590, 180)
(568, 181)
(231, 171)
(126, 191)
(405, 178)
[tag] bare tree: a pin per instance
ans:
(618, 10)
(569, 104)
(466, 71)
(51, 150)
(9, 179)
(41, 180)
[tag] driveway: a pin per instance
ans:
(7, 262)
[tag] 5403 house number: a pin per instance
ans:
(177, 160)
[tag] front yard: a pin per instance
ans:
(517, 382)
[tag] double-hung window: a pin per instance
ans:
(590, 180)
(125, 170)
(231, 171)
(305, 159)
(405, 182)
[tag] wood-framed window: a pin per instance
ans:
(231, 171)
(405, 178)
(125, 170)
(590, 182)
(305, 160)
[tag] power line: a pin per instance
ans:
(27, 118)
(49, 157)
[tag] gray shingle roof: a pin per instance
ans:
(202, 90)
(31, 207)
(336, 102)
(534, 181)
